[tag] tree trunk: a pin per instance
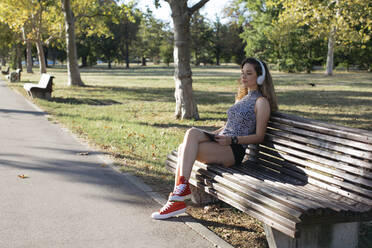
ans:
(127, 53)
(185, 104)
(74, 78)
(19, 56)
(143, 61)
(331, 47)
(46, 57)
(29, 56)
(84, 61)
(40, 53)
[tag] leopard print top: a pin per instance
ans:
(241, 118)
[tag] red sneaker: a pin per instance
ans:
(169, 210)
(181, 192)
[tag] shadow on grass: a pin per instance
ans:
(209, 223)
(331, 100)
(175, 125)
(162, 94)
(87, 101)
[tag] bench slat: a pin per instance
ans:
(342, 170)
(326, 199)
(302, 161)
(321, 143)
(323, 137)
(293, 190)
(266, 219)
(326, 128)
(248, 200)
(229, 181)
(330, 184)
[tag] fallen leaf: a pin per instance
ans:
(83, 153)
(103, 165)
(23, 176)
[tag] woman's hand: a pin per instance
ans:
(223, 140)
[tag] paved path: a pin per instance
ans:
(69, 200)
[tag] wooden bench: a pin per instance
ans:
(309, 182)
(43, 89)
(6, 72)
(14, 76)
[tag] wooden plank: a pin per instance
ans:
(329, 155)
(260, 216)
(258, 185)
(310, 206)
(295, 191)
(322, 144)
(367, 135)
(313, 194)
(303, 163)
(321, 136)
(229, 182)
(364, 136)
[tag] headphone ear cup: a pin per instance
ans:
(260, 79)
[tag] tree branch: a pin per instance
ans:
(197, 6)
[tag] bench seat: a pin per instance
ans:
(43, 89)
(305, 173)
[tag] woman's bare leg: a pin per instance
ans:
(197, 146)
(189, 151)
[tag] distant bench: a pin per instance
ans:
(43, 89)
(14, 76)
(309, 182)
(6, 72)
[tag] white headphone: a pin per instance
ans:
(261, 78)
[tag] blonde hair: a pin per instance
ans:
(267, 88)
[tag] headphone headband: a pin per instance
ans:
(261, 78)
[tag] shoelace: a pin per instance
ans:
(179, 189)
(166, 206)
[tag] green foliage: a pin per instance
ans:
(6, 40)
(151, 38)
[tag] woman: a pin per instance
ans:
(246, 124)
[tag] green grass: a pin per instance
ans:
(130, 112)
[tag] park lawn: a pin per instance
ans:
(129, 113)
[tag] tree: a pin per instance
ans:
(342, 21)
(185, 104)
(72, 64)
(31, 18)
(201, 35)
(7, 41)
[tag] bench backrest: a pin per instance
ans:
(332, 157)
(45, 80)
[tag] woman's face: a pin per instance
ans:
(249, 76)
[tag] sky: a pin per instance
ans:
(209, 10)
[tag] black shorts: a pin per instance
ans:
(239, 153)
